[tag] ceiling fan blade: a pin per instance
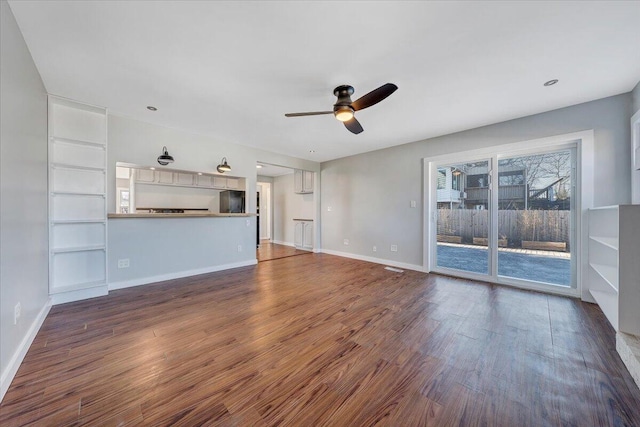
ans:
(313, 113)
(353, 125)
(374, 96)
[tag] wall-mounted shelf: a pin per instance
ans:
(77, 196)
(614, 270)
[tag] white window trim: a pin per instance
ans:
(584, 144)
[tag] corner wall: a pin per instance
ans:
(635, 174)
(24, 264)
(370, 204)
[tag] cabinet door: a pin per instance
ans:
(219, 182)
(307, 185)
(145, 175)
(297, 181)
(184, 178)
(307, 241)
(164, 177)
(298, 234)
(232, 183)
(204, 181)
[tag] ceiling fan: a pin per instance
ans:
(344, 109)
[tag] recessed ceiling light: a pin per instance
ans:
(259, 166)
(151, 108)
(551, 82)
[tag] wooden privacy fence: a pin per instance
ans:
(514, 226)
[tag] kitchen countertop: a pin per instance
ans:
(178, 215)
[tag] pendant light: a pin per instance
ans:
(223, 166)
(164, 159)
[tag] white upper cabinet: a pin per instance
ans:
(164, 177)
(302, 181)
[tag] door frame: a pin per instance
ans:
(584, 179)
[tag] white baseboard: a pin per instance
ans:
(280, 242)
(78, 295)
(404, 265)
(177, 275)
(17, 358)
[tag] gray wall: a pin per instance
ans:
(23, 190)
(369, 194)
(635, 174)
(635, 95)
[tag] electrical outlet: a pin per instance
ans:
(346, 242)
(239, 248)
(375, 249)
(329, 208)
(17, 311)
(394, 248)
(123, 263)
(413, 204)
(248, 223)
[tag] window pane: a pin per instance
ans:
(534, 217)
(463, 217)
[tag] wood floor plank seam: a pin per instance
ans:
(320, 340)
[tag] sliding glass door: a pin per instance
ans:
(534, 217)
(506, 218)
(463, 207)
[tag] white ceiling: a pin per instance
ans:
(273, 170)
(232, 69)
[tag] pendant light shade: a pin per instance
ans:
(164, 159)
(223, 166)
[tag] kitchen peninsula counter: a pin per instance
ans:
(178, 215)
(153, 247)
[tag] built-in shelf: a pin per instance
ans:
(78, 249)
(611, 242)
(77, 167)
(101, 145)
(608, 273)
(80, 286)
(71, 193)
(608, 303)
(79, 221)
(614, 273)
(77, 197)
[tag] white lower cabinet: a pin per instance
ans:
(303, 234)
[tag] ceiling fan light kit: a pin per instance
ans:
(344, 109)
(343, 113)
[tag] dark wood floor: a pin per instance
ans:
(321, 340)
(269, 251)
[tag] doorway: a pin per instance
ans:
(278, 204)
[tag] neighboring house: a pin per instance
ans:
(450, 194)
(467, 187)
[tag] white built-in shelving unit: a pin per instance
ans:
(614, 264)
(77, 197)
